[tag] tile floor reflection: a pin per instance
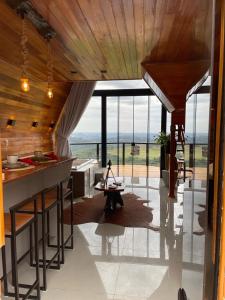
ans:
(118, 263)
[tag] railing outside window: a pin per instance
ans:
(120, 153)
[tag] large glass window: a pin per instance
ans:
(155, 108)
(133, 119)
(113, 147)
(88, 131)
(197, 123)
(130, 120)
(155, 117)
(168, 122)
(121, 84)
(194, 204)
(141, 119)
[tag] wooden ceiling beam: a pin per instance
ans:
(174, 80)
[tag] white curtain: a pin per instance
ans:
(73, 109)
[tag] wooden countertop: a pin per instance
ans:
(16, 175)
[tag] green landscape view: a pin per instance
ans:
(90, 151)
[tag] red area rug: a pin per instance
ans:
(132, 214)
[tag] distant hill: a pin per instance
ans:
(92, 137)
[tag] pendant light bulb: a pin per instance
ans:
(50, 93)
(25, 85)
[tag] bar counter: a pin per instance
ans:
(17, 175)
(22, 184)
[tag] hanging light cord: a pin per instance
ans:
(25, 52)
(50, 64)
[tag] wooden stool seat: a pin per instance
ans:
(50, 198)
(21, 220)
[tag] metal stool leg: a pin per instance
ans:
(44, 252)
(70, 237)
(43, 262)
(60, 221)
(14, 259)
(58, 226)
(37, 256)
(5, 281)
(71, 218)
(62, 224)
(48, 228)
(31, 244)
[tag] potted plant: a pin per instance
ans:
(163, 139)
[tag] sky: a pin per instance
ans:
(91, 119)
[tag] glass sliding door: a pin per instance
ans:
(134, 119)
(194, 204)
(113, 145)
(154, 129)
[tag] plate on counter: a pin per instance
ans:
(19, 166)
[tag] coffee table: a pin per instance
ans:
(113, 196)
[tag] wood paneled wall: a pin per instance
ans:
(2, 225)
(23, 139)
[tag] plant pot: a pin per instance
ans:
(165, 177)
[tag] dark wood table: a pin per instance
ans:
(113, 196)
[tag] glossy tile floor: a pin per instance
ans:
(114, 262)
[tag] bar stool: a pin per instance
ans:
(66, 192)
(15, 223)
(47, 200)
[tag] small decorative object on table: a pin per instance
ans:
(111, 190)
(109, 169)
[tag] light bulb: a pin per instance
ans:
(25, 86)
(50, 93)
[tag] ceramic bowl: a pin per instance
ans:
(38, 153)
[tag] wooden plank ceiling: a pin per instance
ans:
(92, 35)
(117, 35)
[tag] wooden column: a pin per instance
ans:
(219, 177)
(2, 228)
